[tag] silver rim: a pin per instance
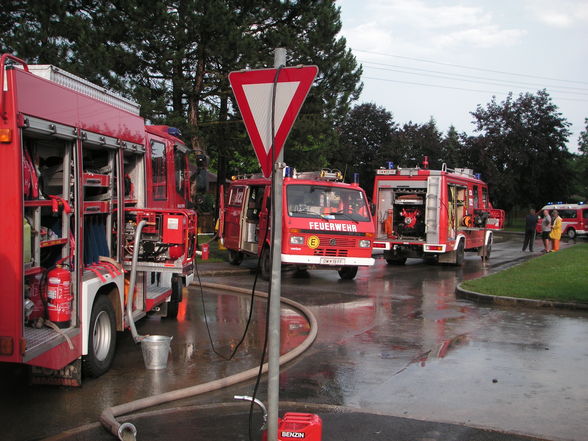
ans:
(101, 336)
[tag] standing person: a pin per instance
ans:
(545, 230)
(530, 228)
(555, 234)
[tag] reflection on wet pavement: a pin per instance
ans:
(402, 343)
(395, 340)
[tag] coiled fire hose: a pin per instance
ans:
(127, 431)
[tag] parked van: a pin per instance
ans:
(574, 218)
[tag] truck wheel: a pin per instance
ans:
(393, 259)
(265, 263)
(176, 298)
(459, 254)
(571, 233)
(397, 260)
(348, 272)
(235, 257)
(101, 338)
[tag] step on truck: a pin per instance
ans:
(89, 194)
(433, 214)
(326, 223)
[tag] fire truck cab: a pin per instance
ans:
(326, 223)
(89, 194)
(437, 214)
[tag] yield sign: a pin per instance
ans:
(254, 91)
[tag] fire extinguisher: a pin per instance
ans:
(59, 296)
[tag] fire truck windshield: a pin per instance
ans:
(326, 202)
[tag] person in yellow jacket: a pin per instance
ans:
(555, 234)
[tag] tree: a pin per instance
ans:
(579, 165)
(453, 148)
(522, 149)
(365, 137)
(174, 56)
(583, 139)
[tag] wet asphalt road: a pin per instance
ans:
(394, 340)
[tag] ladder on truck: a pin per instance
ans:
(432, 209)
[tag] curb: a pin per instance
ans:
(223, 271)
(515, 301)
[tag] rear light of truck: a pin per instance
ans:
(6, 345)
(434, 248)
(5, 135)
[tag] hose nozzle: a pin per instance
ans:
(259, 403)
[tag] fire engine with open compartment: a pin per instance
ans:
(80, 173)
(326, 223)
(436, 214)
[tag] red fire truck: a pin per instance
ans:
(326, 223)
(90, 194)
(436, 214)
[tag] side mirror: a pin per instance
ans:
(373, 208)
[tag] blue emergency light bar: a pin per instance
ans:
(174, 131)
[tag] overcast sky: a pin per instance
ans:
(441, 58)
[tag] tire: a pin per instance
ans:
(394, 260)
(301, 273)
(431, 260)
(101, 338)
(265, 263)
(460, 254)
(235, 257)
(571, 233)
(176, 298)
(348, 272)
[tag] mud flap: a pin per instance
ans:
(448, 257)
(70, 375)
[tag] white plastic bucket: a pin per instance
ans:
(156, 349)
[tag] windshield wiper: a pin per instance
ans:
(346, 215)
(305, 212)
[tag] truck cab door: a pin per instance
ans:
(232, 217)
(221, 212)
(264, 218)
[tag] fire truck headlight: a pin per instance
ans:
(364, 243)
(296, 240)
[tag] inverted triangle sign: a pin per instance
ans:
(254, 92)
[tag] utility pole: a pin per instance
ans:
(273, 382)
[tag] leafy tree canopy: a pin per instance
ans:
(522, 150)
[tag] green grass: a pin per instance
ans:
(215, 254)
(515, 225)
(560, 276)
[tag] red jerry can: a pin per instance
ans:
(306, 426)
(205, 251)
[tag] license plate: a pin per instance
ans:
(332, 261)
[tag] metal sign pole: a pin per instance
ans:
(273, 386)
